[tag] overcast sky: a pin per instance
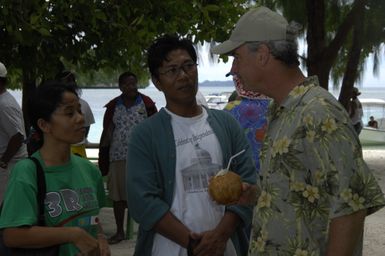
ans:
(217, 71)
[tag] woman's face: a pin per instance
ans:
(67, 121)
(129, 87)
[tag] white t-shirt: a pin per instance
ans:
(11, 122)
(87, 112)
(88, 116)
(198, 157)
(357, 117)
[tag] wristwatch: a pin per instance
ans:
(3, 164)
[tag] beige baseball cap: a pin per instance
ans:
(3, 70)
(258, 24)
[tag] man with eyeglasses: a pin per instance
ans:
(171, 157)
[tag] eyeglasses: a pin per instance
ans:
(173, 72)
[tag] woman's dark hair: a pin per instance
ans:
(65, 76)
(46, 100)
(68, 77)
(125, 75)
(159, 50)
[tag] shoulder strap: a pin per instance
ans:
(41, 190)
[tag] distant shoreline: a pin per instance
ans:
(229, 84)
(202, 84)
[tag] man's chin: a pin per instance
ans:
(252, 88)
(248, 87)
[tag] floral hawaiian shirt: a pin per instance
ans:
(251, 115)
(312, 171)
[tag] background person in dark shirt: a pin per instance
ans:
(372, 123)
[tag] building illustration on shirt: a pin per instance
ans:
(197, 175)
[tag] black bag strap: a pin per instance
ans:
(41, 191)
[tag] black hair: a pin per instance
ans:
(65, 76)
(159, 50)
(68, 77)
(46, 100)
(125, 75)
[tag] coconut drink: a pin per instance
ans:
(226, 186)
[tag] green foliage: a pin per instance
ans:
(372, 39)
(101, 38)
(336, 12)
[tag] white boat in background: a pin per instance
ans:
(218, 100)
(369, 135)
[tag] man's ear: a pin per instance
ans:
(263, 54)
(44, 125)
(156, 82)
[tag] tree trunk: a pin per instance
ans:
(317, 64)
(350, 75)
(315, 35)
(321, 55)
(29, 87)
(29, 84)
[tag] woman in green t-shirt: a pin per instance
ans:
(74, 186)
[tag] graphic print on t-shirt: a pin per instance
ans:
(72, 200)
(196, 176)
(198, 157)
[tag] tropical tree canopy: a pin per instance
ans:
(340, 35)
(39, 37)
(101, 38)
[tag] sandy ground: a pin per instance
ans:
(374, 234)
(126, 247)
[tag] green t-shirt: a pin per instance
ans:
(73, 188)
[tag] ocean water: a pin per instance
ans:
(97, 98)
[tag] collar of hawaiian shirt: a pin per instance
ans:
(294, 97)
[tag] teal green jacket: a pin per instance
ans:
(151, 161)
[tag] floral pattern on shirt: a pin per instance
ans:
(124, 119)
(251, 115)
(312, 170)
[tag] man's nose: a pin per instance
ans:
(233, 70)
(181, 72)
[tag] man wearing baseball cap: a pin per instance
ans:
(315, 186)
(12, 132)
